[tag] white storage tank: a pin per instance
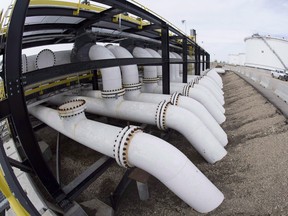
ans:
(237, 59)
(266, 52)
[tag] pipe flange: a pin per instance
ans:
(160, 115)
(174, 98)
(72, 108)
(43, 59)
(24, 63)
(132, 86)
(115, 93)
(150, 80)
(121, 145)
(186, 89)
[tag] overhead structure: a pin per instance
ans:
(266, 52)
(37, 23)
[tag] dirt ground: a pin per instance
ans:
(253, 176)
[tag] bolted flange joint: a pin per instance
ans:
(174, 98)
(121, 145)
(72, 108)
(160, 115)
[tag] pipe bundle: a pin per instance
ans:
(195, 109)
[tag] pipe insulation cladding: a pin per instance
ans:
(130, 79)
(163, 115)
(131, 147)
(209, 101)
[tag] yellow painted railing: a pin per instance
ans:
(14, 203)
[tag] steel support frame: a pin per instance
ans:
(60, 70)
(185, 63)
(207, 60)
(203, 60)
(197, 60)
(165, 59)
(14, 185)
(18, 110)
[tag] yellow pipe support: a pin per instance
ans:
(46, 86)
(67, 4)
(14, 203)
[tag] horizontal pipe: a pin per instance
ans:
(172, 117)
(185, 102)
(149, 153)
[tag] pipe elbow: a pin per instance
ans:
(207, 146)
(209, 105)
(174, 170)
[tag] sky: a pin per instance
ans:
(222, 25)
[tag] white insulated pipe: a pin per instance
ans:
(140, 53)
(202, 82)
(214, 75)
(113, 105)
(45, 58)
(131, 147)
(163, 115)
(130, 77)
(185, 102)
(206, 86)
(150, 79)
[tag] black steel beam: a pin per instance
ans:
(4, 109)
(21, 165)
(207, 60)
(57, 11)
(74, 188)
(48, 26)
(109, 13)
(116, 196)
(19, 114)
(60, 70)
(165, 59)
(12, 180)
(144, 28)
(184, 56)
(131, 8)
(203, 61)
(30, 44)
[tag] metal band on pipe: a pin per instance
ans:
(150, 80)
(132, 86)
(113, 93)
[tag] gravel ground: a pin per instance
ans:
(253, 176)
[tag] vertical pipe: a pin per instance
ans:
(185, 65)
(165, 59)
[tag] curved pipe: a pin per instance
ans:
(149, 153)
(214, 91)
(164, 115)
(130, 77)
(214, 75)
(180, 87)
(174, 70)
(185, 102)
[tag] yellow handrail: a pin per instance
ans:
(14, 203)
